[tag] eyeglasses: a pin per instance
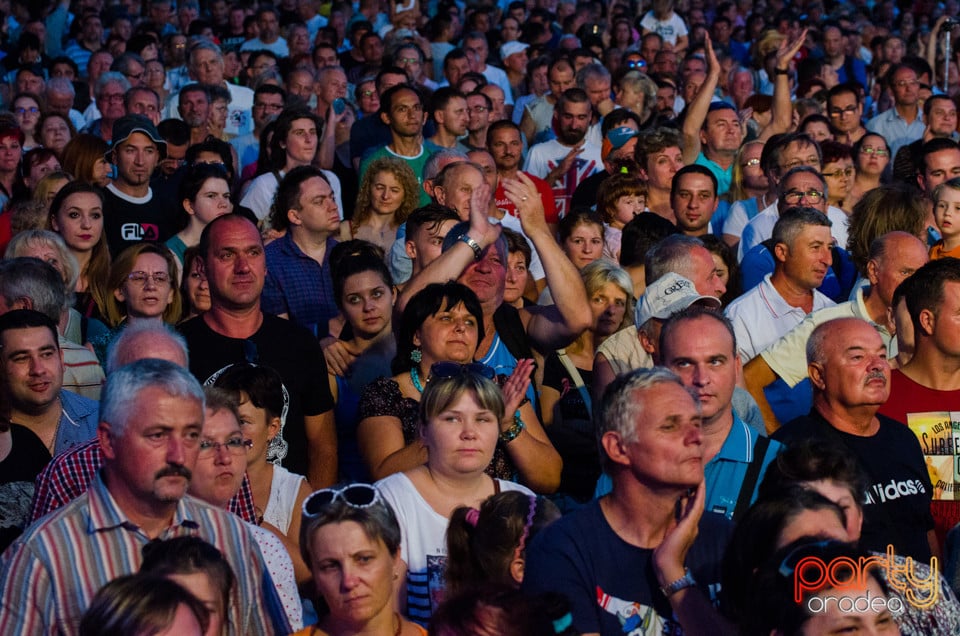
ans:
(794, 197)
(637, 64)
(906, 83)
(234, 446)
(408, 60)
(134, 76)
(112, 98)
(845, 172)
(791, 560)
(33, 110)
(367, 93)
(478, 109)
(837, 112)
(454, 369)
(880, 152)
(355, 495)
(750, 163)
(140, 278)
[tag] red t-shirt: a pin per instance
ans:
(934, 417)
(546, 195)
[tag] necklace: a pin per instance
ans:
(415, 378)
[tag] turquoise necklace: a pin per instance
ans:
(415, 378)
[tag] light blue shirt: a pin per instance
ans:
(895, 129)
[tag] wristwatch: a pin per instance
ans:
(477, 250)
(781, 71)
(682, 583)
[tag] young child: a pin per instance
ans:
(946, 212)
(619, 198)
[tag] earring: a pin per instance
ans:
(416, 356)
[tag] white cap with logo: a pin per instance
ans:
(666, 296)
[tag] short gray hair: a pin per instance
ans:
(28, 277)
(124, 386)
(432, 167)
(671, 255)
(61, 86)
(71, 268)
(594, 70)
(119, 352)
(111, 77)
(793, 220)
(620, 407)
(203, 44)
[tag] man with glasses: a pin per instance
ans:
(902, 124)
(149, 434)
(131, 66)
(784, 155)
(268, 103)
(845, 111)
(108, 108)
(131, 211)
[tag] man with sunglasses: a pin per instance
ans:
(150, 431)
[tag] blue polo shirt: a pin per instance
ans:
(724, 177)
(299, 286)
(724, 474)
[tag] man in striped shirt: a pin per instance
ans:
(151, 418)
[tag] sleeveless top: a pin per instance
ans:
(283, 497)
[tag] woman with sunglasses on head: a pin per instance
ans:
(350, 538)
(444, 323)
(459, 419)
(871, 156)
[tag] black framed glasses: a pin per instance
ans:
(354, 495)
(454, 369)
(842, 172)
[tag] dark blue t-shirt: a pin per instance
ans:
(611, 584)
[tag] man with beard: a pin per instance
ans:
(448, 107)
(131, 212)
(194, 109)
(506, 148)
(847, 364)
(569, 159)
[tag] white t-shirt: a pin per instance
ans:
(669, 29)
(423, 546)
(545, 156)
(283, 497)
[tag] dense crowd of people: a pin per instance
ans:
(536, 317)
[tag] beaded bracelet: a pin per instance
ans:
(514, 431)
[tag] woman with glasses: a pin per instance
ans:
(444, 323)
(26, 109)
(839, 173)
(76, 214)
(351, 540)
(204, 195)
(871, 156)
(460, 426)
(142, 286)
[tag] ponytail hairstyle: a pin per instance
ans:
(482, 544)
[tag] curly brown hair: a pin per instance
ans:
(408, 180)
